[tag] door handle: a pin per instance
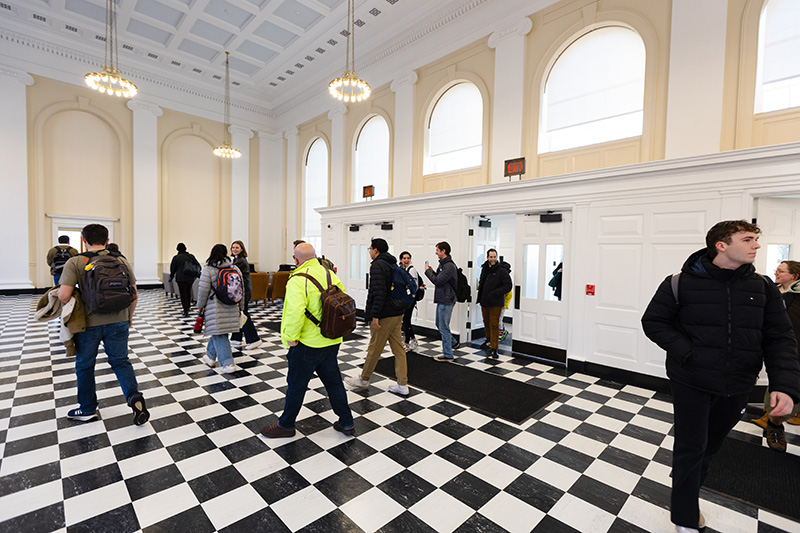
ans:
(516, 296)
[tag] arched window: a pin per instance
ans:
(315, 192)
(595, 91)
(371, 159)
(454, 138)
(778, 75)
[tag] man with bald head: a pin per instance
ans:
(309, 351)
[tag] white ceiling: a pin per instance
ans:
(278, 47)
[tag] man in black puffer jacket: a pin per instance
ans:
(726, 321)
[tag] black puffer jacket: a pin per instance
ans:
(380, 279)
(179, 267)
(494, 283)
(728, 323)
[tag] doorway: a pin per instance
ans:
(359, 238)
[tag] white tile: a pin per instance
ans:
(427, 417)
(25, 501)
(431, 440)
(232, 506)
(380, 438)
(553, 473)
(582, 444)
(164, 504)
(580, 514)
(372, 509)
(495, 472)
(612, 475)
(232, 434)
(532, 443)
(302, 508)
(483, 442)
(129, 433)
(31, 430)
(261, 465)
(435, 470)
(606, 422)
(647, 516)
(318, 467)
(721, 518)
(512, 513)
(86, 461)
(145, 462)
(180, 434)
(28, 460)
(96, 502)
(441, 511)
(376, 468)
(635, 446)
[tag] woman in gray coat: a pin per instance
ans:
(220, 318)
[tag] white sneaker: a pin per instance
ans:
(356, 383)
(227, 369)
(253, 345)
(400, 390)
(681, 529)
(207, 360)
(236, 343)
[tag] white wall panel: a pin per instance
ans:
(618, 272)
(614, 341)
(691, 224)
(620, 226)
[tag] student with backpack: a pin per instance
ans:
(252, 340)
(304, 331)
(445, 278)
(58, 256)
(184, 269)
(108, 290)
(220, 298)
(391, 293)
(410, 341)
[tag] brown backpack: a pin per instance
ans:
(338, 309)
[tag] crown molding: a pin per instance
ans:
(521, 28)
(136, 105)
(409, 78)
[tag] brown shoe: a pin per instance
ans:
(776, 437)
(274, 431)
(761, 422)
(340, 429)
(795, 421)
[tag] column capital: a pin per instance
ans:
(20, 75)
(139, 105)
(522, 27)
(238, 130)
(409, 78)
(338, 109)
(269, 136)
(291, 132)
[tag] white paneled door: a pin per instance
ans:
(358, 261)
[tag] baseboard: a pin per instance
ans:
(34, 290)
(622, 376)
(548, 353)
(150, 286)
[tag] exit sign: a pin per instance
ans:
(514, 167)
(368, 191)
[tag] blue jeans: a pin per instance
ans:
(115, 342)
(443, 314)
(303, 362)
(249, 329)
(56, 279)
(219, 348)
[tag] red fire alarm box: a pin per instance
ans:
(590, 290)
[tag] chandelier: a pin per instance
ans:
(110, 80)
(349, 87)
(225, 149)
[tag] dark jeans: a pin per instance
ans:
(702, 422)
(408, 329)
(185, 290)
(249, 329)
(56, 279)
(115, 342)
(303, 362)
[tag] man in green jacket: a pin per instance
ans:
(309, 351)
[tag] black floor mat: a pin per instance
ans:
(495, 395)
(758, 476)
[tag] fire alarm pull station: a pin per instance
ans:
(590, 290)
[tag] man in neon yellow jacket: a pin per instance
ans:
(309, 351)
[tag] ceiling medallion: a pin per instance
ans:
(349, 87)
(110, 80)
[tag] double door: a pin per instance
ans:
(358, 260)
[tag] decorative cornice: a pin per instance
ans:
(270, 136)
(23, 77)
(291, 132)
(521, 28)
(238, 130)
(409, 78)
(338, 109)
(135, 74)
(139, 105)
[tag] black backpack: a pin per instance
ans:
(463, 290)
(402, 289)
(420, 294)
(107, 286)
(60, 259)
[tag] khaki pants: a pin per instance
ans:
(391, 330)
(491, 324)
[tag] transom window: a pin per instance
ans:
(315, 192)
(595, 91)
(454, 137)
(372, 159)
(778, 75)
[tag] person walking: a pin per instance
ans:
(184, 269)
(221, 319)
(58, 256)
(252, 340)
(444, 278)
(493, 285)
(719, 322)
(409, 340)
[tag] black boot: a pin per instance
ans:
(493, 354)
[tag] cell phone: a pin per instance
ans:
(427, 264)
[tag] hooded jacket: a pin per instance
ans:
(380, 280)
(728, 323)
(494, 283)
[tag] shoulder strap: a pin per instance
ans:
(317, 284)
(674, 279)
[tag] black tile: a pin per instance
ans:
(406, 453)
(478, 522)
(91, 480)
(25, 479)
(407, 522)
(343, 486)
(500, 430)
(194, 520)
(312, 424)
(405, 427)
(46, 519)
(548, 524)
(460, 455)
(570, 458)
(239, 403)
(126, 450)
(154, 481)
(547, 431)
(216, 483)
(365, 406)
(596, 433)
(405, 408)
(447, 408)
(31, 418)
(190, 448)
(210, 425)
(573, 412)
(263, 520)
(333, 522)
(652, 492)
(643, 434)
(171, 422)
(470, 490)
(621, 526)
(617, 414)
(664, 457)
(534, 492)
(279, 485)
(196, 403)
(514, 456)
(120, 520)
(625, 460)
(599, 494)
(452, 428)
(657, 414)
(27, 445)
(406, 488)
(84, 445)
(352, 451)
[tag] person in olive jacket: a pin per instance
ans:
(718, 327)
(494, 283)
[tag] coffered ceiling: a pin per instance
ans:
(278, 47)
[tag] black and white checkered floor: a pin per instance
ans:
(596, 460)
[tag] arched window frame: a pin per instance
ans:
(356, 188)
(314, 238)
(758, 104)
